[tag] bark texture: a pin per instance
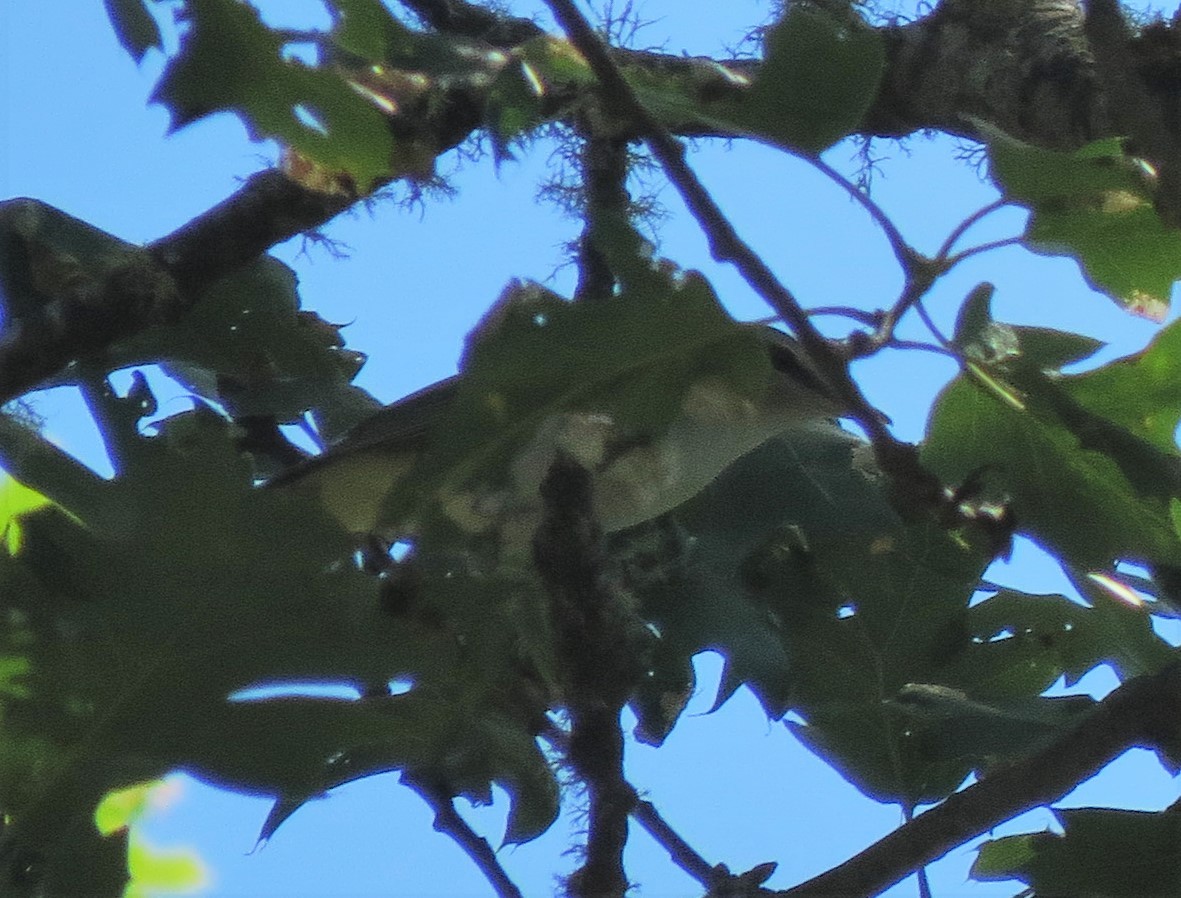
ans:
(1024, 66)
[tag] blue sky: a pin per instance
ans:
(75, 132)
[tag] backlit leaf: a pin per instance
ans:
(1096, 205)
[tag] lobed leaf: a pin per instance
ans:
(179, 564)
(1096, 205)
(1101, 852)
(1090, 465)
(627, 365)
(229, 61)
(134, 26)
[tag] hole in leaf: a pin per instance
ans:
(310, 119)
(266, 691)
(401, 685)
(301, 51)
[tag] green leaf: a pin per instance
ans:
(975, 316)
(179, 563)
(555, 62)
(163, 870)
(230, 61)
(247, 346)
(1140, 392)
(794, 566)
(1090, 489)
(1102, 853)
(700, 91)
(16, 499)
(625, 369)
(134, 26)
(1096, 205)
(1001, 858)
(818, 78)
(514, 105)
(700, 572)
(1053, 349)
(952, 724)
(1020, 644)
(366, 29)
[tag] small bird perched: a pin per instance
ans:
(637, 476)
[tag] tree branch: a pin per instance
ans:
(915, 489)
(269, 209)
(681, 852)
(1133, 109)
(161, 287)
(604, 181)
(1043, 87)
(474, 22)
(718, 880)
(1143, 712)
(475, 846)
(602, 645)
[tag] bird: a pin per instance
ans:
(637, 476)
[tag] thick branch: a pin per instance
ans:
(1134, 109)
(269, 209)
(600, 645)
(1024, 66)
(1144, 712)
(474, 22)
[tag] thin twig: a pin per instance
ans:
(604, 162)
(908, 257)
(935, 331)
(1143, 712)
(718, 880)
(475, 846)
(681, 852)
(920, 874)
(924, 347)
(962, 228)
(915, 486)
(873, 319)
(952, 261)
(921, 273)
(919, 281)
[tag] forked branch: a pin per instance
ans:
(916, 489)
